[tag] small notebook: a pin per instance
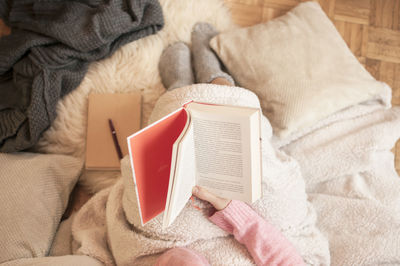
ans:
(125, 112)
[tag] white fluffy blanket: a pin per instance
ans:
(104, 227)
(352, 182)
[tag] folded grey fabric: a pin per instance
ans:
(48, 52)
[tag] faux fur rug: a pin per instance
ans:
(134, 67)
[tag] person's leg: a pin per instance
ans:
(206, 65)
(175, 66)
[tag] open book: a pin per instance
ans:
(217, 147)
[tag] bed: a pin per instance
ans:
(329, 180)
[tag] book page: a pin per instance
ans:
(224, 141)
(183, 178)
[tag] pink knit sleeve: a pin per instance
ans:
(265, 243)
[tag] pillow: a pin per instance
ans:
(68, 260)
(298, 65)
(34, 192)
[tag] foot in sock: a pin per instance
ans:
(175, 66)
(206, 64)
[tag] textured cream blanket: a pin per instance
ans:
(352, 182)
(103, 228)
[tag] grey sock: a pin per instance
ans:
(175, 66)
(206, 64)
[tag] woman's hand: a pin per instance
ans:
(203, 194)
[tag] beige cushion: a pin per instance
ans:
(34, 192)
(298, 65)
(70, 260)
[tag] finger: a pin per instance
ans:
(203, 194)
(217, 202)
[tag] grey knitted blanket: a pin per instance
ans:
(48, 52)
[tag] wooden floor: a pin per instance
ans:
(371, 28)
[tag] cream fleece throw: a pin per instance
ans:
(352, 183)
(102, 228)
(350, 180)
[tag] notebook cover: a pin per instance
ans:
(124, 109)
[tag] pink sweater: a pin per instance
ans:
(265, 243)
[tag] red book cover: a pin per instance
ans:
(151, 152)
